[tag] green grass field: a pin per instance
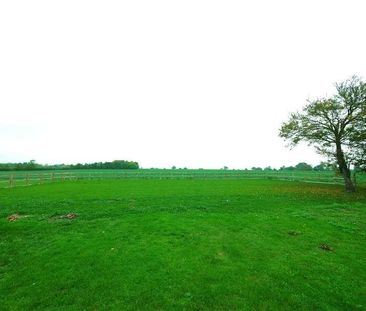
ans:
(188, 244)
(23, 178)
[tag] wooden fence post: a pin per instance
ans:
(27, 179)
(11, 180)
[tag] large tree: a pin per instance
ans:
(335, 126)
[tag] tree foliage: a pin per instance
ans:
(335, 126)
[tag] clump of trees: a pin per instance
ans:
(256, 168)
(25, 166)
(335, 126)
(302, 166)
(32, 165)
(117, 165)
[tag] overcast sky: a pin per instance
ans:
(185, 83)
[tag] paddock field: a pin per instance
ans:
(188, 243)
(26, 178)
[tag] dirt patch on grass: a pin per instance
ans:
(15, 217)
(66, 216)
(70, 216)
(326, 247)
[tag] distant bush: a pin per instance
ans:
(256, 168)
(302, 166)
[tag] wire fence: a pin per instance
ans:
(14, 179)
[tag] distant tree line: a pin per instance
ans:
(302, 166)
(122, 164)
(32, 165)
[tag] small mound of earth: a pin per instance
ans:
(326, 247)
(66, 216)
(294, 233)
(70, 216)
(13, 217)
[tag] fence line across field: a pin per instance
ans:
(27, 179)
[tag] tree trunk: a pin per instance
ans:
(345, 171)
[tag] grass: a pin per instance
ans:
(23, 178)
(183, 245)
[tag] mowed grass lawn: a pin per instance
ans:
(182, 245)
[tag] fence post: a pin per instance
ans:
(10, 180)
(27, 179)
